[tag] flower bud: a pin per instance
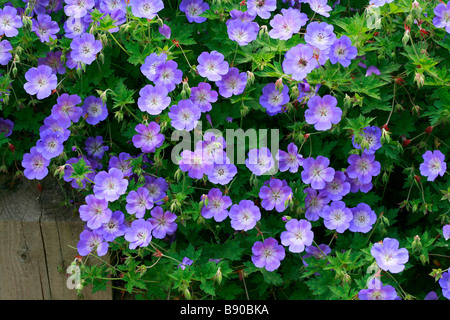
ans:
(416, 244)
(419, 78)
(263, 30)
(424, 259)
(218, 276)
(279, 84)
(406, 37)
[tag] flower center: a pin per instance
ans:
(302, 63)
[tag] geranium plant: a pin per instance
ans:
(229, 149)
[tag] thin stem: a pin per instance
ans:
(393, 104)
(118, 43)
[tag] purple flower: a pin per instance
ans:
(322, 56)
(95, 212)
(363, 167)
(273, 99)
(35, 165)
(317, 252)
(146, 8)
(122, 162)
(372, 70)
(50, 144)
(53, 60)
(196, 163)
(433, 165)
(388, 256)
(44, 27)
(71, 64)
(119, 17)
(217, 205)
(379, 3)
(95, 109)
(5, 54)
(212, 65)
(6, 127)
(114, 227)
(444, 282)
(41, 81)
(268, 254)
(152, 61)
(9, 21)
(80, 181)
(299, 61)
(286, 24)
(363, 218)
(244, 215)
(75, 27)
(262, 8)
(153, 99)
(370, 141)
(320, 35)
(314, 203)
(163, 223)
(185, 115)
(222, 173)
(432, 295)
(290, 160)
(165, 31)
(193, 9)
(243, 32)
(356, 185)
(377, 291)
(85, 48)
(90, 241)
(260, 161)
(110, 185)
(203, 96)
(213, 146)
(337, 188)
(305, 92)
(185, 263)
(139, 234)
(275, 195)
(56, 125)
(442, 14)
(323, 112)
(167, 75)
(297, 236)
(156, 188)
(446, 231)
(65, 108)
(233, 83)
(337, 216)
(109, 6)
(148, 137)
(244, 16)
(342, 51)
(316, 172)
(138, 202)
(77, 8)
(95, 148)
(320, 7)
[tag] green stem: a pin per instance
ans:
(119, 43)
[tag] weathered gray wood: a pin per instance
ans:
(36, 236)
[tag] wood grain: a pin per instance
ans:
(37, 240)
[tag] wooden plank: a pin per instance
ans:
(22, 263)
(37, 234)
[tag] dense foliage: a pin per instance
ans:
(340, 110)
